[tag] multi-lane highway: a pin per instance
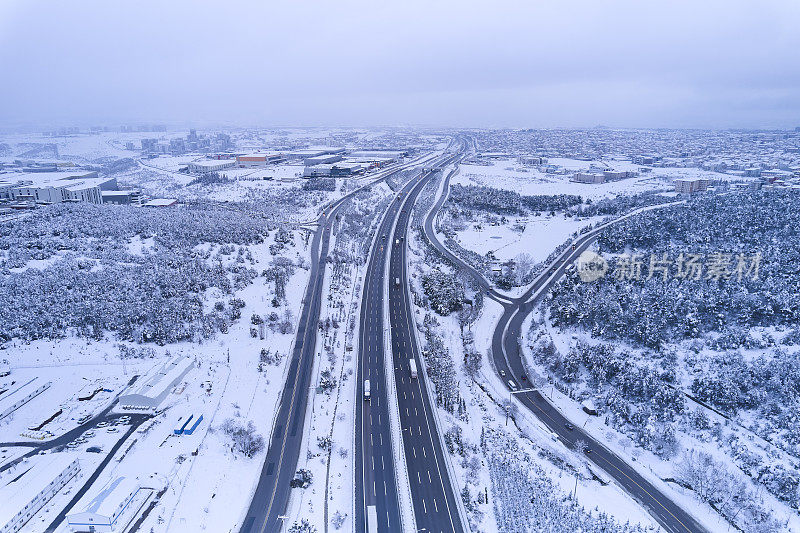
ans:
(271, 497)
(375, 475)
(375, 483)
(434, 499)
(509, 364)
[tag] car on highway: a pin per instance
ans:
(502, 373)
(524, 377)
(569, 426)
(396, 282)
(587, 450)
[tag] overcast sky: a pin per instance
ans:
(534, 63)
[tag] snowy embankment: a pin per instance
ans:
(474, 403)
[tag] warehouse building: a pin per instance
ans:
(10, 402)
(325, 159)
(22, 495)
(258, 160)
(155, 388)
(111, 509)
(210, 165)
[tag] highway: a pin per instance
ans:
(434, 500)
(508, 363)
(270, 500)
(376, 483)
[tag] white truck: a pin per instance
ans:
(413, 365)
(366, 389)
(372, 519)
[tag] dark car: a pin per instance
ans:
(587, 450)
(524, 377)
(569, 426)
(94, 449)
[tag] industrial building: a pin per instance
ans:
(128, 197)
(531, 160)
(691, 185)
(160, 202)
(111, 509)
(210, 165)
(11, 401)
(23, 494)
(325, 159)
(341, 169)
(258, 160)
(155, 388)
(589, 177)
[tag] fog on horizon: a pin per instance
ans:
(715, 64)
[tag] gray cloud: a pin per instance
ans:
(569, 63)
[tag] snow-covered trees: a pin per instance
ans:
(653, 311)
(244, 438)
(94, 281)
(729, 494)
(527, 500)
(440, 367)
(444, 291)
(506, 202)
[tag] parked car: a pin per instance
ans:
(112, 429)
(94, 449)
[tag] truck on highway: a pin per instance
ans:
(396, 282)
(372, 519)
(413, 364)
(366, 389)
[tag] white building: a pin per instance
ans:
(10, 402)
(211, 165)
(57, 187)
(22, 495)
(589, 177)
(109, 510)
(325, 159)
(155, 388)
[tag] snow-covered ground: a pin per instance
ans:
(485, 399)
(207, 490)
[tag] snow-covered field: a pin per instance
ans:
(206, 481)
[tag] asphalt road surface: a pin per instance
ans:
(271, 497)
(432, 494)
(508, 362)
(375, 482)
